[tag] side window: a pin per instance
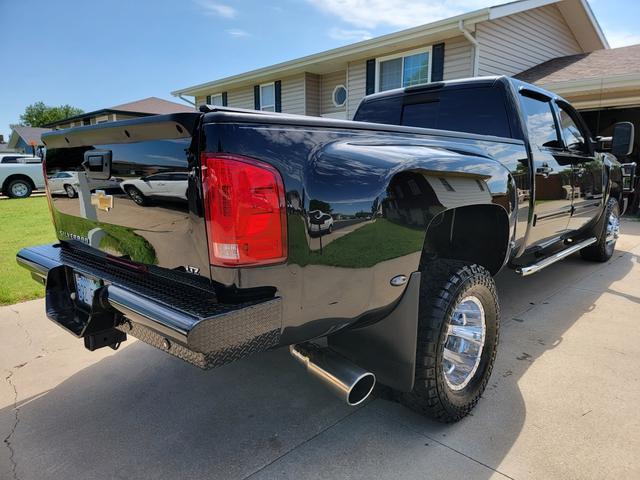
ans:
(160, 177)
(573, 137)
(541, 124)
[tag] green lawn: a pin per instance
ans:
(23, 222)
(368, 245)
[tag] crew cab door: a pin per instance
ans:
(587, 179)
(553, 190)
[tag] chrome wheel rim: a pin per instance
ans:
(135, 196)
(70, 191)
(466, 332)
(19, 190)
(613, 227)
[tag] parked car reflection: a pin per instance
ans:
(165, 185)
(67, 183)
(320, 223)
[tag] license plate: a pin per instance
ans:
(85, 288)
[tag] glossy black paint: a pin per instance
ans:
(382, 188)
(167, 227)
(360, 199)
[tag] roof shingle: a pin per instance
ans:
(609, 63)
(31, 135)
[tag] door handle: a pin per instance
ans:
(544, 170)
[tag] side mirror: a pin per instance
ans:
(623, 138)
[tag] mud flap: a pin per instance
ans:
(387, 348)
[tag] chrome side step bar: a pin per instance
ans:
(556, 257)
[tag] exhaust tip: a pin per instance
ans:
(348, 381)
(361, 389)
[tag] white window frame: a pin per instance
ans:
(333, 96)
(262, 105)
(217, 95)
(402, 55)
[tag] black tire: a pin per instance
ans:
(70, 191)
(602, 250)
(137, 196)
(444, 284)
(19, 188)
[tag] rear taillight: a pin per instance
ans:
(245, 211)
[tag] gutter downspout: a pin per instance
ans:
(186, 100)
(476, 46)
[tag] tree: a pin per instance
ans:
(320, 205)
(38, 114)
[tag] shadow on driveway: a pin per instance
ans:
(144, 414)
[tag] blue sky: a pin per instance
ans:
(96, 54)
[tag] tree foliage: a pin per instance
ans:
(38, 114)
(320, 205)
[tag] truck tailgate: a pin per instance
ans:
(131, 189)
(126, 200)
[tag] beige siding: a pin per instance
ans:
(465, 191)
(515, 43)
(458, 58)
(356, 85)
(293, 94)
(312, 93)
(241, 97)
(328, 83)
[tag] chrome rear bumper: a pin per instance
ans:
(174, 311)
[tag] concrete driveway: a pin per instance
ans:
(562, 401)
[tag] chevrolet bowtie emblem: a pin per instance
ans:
(101, 200)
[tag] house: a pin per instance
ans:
(604, 85)
(26, 139)
(139, 108)
(502, 40)
(4, 146)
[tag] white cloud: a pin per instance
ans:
(622, 38)
(349, 35)
(366, 14)
(215, 8)
(236, 32)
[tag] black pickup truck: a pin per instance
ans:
(367, 247)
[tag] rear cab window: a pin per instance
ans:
(479, 110)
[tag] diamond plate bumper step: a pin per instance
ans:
(174, 311)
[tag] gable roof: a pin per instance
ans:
(153, 105)
(577, 12)
(609, 62)
(144, 107)
(30, 135)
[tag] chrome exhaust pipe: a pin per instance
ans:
(348, 381)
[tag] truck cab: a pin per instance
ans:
(567, 175)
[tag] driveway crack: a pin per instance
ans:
(16, 421)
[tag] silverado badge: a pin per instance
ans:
(101, 200)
